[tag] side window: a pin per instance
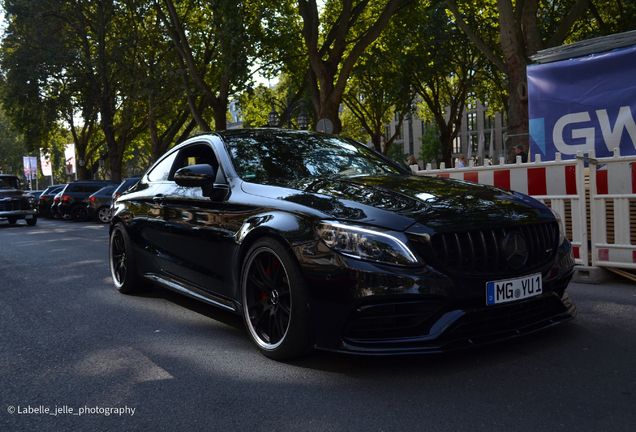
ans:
(161, 171)
(194, 155)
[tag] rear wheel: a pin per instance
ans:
(79, 213)
(32, 222)
(12, 219)
(274, 294)
(103, 214)
(122, 262)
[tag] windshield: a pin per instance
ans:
(266, 157)
(9, 183)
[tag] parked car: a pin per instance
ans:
(36, 193)
(55, 212)
(123, 187)
(99, 204)
(15, 204)
(46, 199)
(74, 200)
(319, 241)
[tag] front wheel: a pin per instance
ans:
(275, 301)
(32, 221)
(122, 262)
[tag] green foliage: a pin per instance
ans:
(396, 153)
(108, 76)
(12, 147)
(255, 106)
(431, 150)
(602, 18)
(377, 89)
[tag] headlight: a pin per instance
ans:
(561, 227)
(364, 243)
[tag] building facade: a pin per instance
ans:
(476, 123)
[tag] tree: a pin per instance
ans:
(442, 67)
(377, 89)
(12, 147)
(525, 27)
(216, 41)
(431, 150)
(163, 91)
(334, 49)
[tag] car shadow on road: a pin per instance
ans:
(226, 317)
(354, 364)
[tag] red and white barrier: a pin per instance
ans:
(614, 179)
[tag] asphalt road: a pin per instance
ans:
(71, 344)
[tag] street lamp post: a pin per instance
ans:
(274, 120)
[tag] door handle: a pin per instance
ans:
(158, 198)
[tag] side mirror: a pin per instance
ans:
(203, 176)
(195, 175)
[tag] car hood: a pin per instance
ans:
(13, 193)
(399, 201)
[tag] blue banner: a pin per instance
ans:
(583, 104)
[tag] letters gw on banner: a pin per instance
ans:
(586, 103)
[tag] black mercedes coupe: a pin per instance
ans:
(320, 242)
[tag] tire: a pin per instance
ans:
(12, 220)
(275, 301)
(32, 222)
(103, 214)
(122, 262)
(79, 213)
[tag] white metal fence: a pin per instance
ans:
(563, 185)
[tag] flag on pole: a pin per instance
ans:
(69, 155)
(45, 163)
(30, 167)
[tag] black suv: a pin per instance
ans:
(75, 197)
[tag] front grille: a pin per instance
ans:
(480, 252)
(13, 205)
(496, 319)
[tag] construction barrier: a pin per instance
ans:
(612, 210)
(562, 186)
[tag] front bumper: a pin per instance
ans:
(365, 308)
(18, 214)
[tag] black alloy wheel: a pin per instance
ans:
(103, 214)
(79, 213)
(122, 262)
(275, 298)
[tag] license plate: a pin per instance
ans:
(28, 216)
(508, 290)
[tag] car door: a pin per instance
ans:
(186, 228)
